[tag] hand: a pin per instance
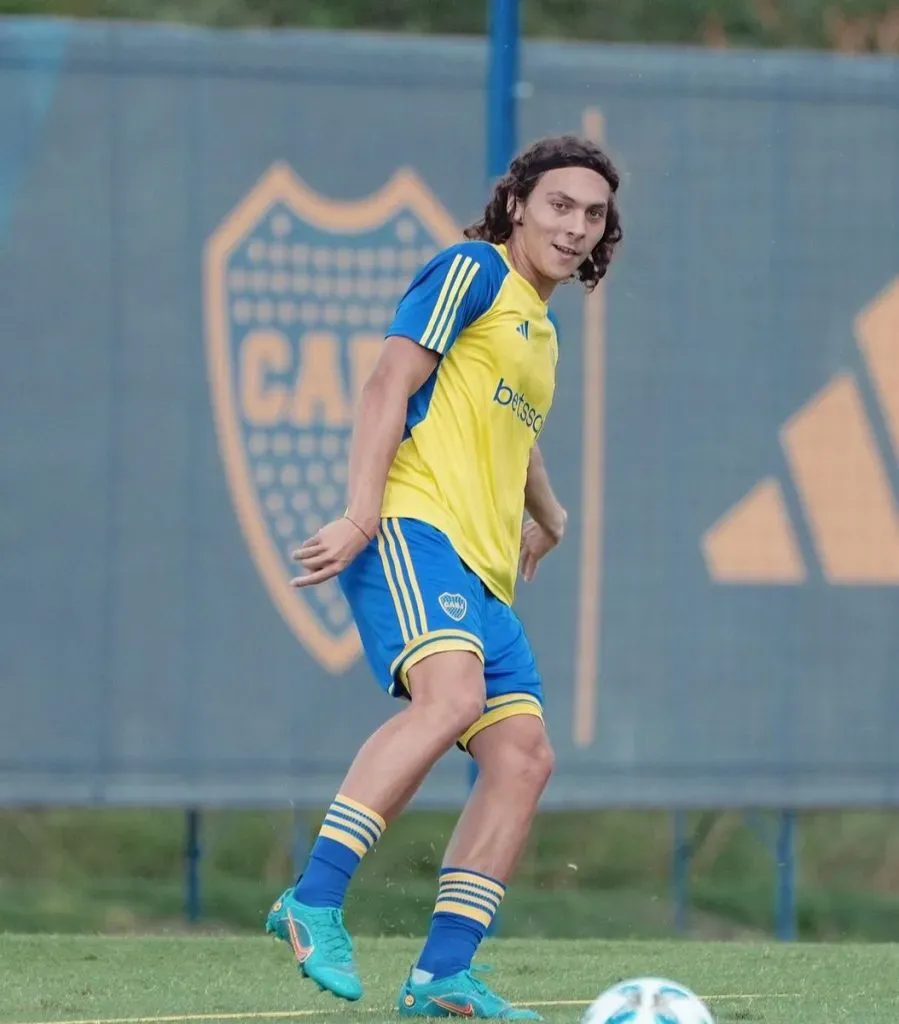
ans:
(536, 541)
(329, 551)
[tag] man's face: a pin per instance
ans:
(562, 220)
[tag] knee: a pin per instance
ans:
(526, 763)
(538, 763)
(448, 689)
(460, 710)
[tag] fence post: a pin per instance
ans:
(192, 855)
(785, 856)
(682, 850)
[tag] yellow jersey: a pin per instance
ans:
(462, 464)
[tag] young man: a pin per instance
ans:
(444, 463)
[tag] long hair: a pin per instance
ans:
(517, 184)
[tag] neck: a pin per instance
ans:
(543, 286)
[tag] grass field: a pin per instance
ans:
(168, 980)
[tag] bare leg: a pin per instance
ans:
(447, 697)
(515, 762)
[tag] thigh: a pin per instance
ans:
(513, 682)
(411, 597)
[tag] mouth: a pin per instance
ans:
(566, 251)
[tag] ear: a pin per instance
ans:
(515, 209)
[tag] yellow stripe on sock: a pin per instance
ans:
(364, 833)
(485, 902)
(347, 816)
(346, 803)
(357, 818)
(471, 889)
(345, 839)
(463, 910)
(472, 879)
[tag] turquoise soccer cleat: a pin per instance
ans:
(460, 995)
(321, 944)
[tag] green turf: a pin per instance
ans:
(48, 979)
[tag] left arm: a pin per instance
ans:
(540, 501)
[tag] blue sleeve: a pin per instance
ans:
(554, 320)
(450, 292)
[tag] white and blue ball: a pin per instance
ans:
(648, 1001)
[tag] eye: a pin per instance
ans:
(557, 204)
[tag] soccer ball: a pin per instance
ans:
(648, 1001)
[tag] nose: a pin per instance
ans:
(577, 225)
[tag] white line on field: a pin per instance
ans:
(185, 1018)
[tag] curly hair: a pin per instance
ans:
(518, 183)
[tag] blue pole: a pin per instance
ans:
(501, 121)
(192, 855)
(786, 876)
(501, 86)
(502, 82)
(680, 869)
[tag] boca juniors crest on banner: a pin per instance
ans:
(298, 292)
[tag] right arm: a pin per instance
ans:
(401, 370)
(451, 291)
(448, 293)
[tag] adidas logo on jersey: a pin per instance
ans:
(522, 329)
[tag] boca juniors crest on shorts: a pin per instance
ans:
(298, 292)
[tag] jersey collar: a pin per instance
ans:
(504, 252)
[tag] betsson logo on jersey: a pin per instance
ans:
(518, 402)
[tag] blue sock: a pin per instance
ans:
(466, 903)
(349, 831)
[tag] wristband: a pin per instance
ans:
(358, 527)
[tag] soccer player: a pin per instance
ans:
(444, 463)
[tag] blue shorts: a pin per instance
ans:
(412, 596)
